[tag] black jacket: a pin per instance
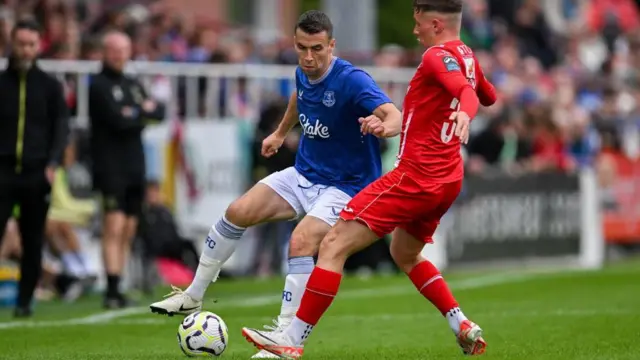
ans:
(34, 119)
(116, 137)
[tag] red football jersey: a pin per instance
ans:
(428, 146)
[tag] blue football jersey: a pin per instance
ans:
(332, 150)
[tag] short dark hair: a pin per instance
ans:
(442, 6)
(26, 24)
(314, 22)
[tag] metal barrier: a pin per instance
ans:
(210, 90)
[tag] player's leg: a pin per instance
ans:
(371, 214)
(323, 207)
(344, 239)
(270, 200)
(406, 247)
(303, 245)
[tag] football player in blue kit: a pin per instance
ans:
(334, 161)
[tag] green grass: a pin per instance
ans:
(563, 316)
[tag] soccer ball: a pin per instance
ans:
(203, 334)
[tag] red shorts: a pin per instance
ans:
(396, 200)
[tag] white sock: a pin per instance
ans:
(218, 248)
(455, 316)
(300, 269)
(298, 331)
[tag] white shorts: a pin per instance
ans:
(320, 201)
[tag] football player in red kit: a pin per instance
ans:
(443, 97)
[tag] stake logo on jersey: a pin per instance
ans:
(332, 150)
(313, 128)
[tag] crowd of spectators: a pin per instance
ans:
(567, 70)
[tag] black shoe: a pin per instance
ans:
(22, 312)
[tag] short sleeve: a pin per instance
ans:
(365, 92)
(440, 61)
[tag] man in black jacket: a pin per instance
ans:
(33, 132)
(119, 109)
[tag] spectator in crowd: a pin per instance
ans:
(65, 215)
(501, 146)
(159, 235)
(10, 248)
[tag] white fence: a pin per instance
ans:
(209, 90)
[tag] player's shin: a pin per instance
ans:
(218, 248)
(430, 283)
(322, 288)
(300, 268)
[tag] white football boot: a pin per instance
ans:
(277, 343)
(279, 325)
(176, 302)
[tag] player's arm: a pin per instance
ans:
(485, 90)
(391, 119)
(290, 118)
(387, 119)
(445, 68)
(273, 142)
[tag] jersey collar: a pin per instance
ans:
(326, 73)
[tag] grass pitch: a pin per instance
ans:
(560, 316)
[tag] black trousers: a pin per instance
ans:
(30, 190)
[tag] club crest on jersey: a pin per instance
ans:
(329, 98)
(450, 63)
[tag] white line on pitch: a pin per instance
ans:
(263, 300)
(373, 317)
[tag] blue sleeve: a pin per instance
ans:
(365, 92)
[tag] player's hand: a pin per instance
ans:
(371, 125)
(271, 144)
(462, 121)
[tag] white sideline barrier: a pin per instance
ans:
(221, 83)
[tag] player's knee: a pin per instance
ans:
(242, 213)
(331, 247)
(302, 244)
(405, 259)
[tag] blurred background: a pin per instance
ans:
(553, 169)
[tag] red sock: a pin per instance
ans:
(429, 282)
(322, 287)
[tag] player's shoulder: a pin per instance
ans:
(437, 52)
(349, 72)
